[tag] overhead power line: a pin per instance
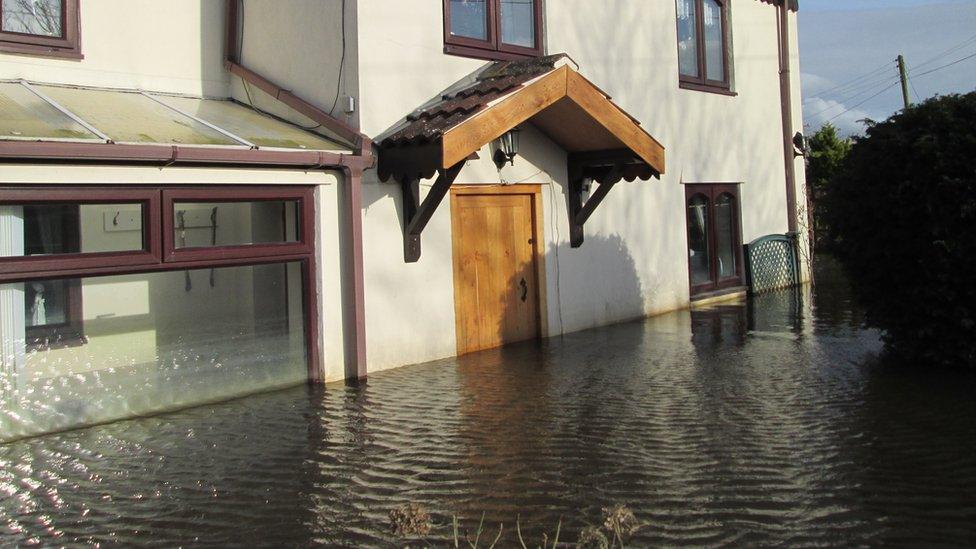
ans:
(953, 49)
(860, 79)
(888, 82)
(911, 80)
(947, 65)
(849, 109)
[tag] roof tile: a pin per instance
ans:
(496, 80)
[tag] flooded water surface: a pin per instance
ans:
(766, 422)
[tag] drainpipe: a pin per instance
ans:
(786, 104)
(356, 295)
(352, 167)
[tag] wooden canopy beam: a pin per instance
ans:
(521, 105)
(417, 214)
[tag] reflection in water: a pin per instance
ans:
(761, 423)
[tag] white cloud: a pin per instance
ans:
(813, 84)
(817, 110)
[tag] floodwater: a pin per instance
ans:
(768, 422)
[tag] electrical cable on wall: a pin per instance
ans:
(555, 250)
(342, 58)
(247, 88)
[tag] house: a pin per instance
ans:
(204, 199)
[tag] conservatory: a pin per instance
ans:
(155, 289)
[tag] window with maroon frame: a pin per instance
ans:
(493, 29)
(714, 237)
(80, 266)
(703, 45)
(52, 307)
(41, 27)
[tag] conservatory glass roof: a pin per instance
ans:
(45, 112)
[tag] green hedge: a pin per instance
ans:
(902, 213)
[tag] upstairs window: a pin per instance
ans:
(703, 44)
(40, 27)
(493, 29)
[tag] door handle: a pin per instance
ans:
(525, 289)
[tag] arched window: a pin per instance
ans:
(714, 240)
(703, 44)
(726, 241)
(699, 253)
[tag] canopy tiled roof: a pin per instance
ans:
(603, 143)
(793, 4)
(428, 123)
(545, 92)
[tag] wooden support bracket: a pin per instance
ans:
(580, 212)
(417, 214)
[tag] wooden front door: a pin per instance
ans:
(496, 265)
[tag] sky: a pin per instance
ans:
(848, 50)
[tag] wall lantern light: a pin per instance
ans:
(509, 142)
(801, 145)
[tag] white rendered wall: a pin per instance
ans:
(173, 46)
(634, 260)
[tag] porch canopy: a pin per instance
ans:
(56, 122)
(604, 143)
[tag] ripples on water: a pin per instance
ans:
(745, 424)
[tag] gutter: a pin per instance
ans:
(167, 155)
(352, 167)
(786, 104)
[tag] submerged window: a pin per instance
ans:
(714, 238)
(703, 44)
(43, 27)
(493, 29)
(154, 343)
(105, 315)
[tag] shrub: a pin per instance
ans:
(902, 213)
(827, 154)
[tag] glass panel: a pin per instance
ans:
(714, 43)
(153, 341)
(725, 240)
(200, 224)
(25, 115)
(469, 19)
(698, 250)
(518, 22)
(134, 118)
(687, 38)
(37, 17)
(48, 303)
(64, 228)
(263, 131)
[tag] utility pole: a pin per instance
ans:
(903, 72)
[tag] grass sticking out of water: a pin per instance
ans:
(413, 522)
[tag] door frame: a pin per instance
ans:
(534, 191)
